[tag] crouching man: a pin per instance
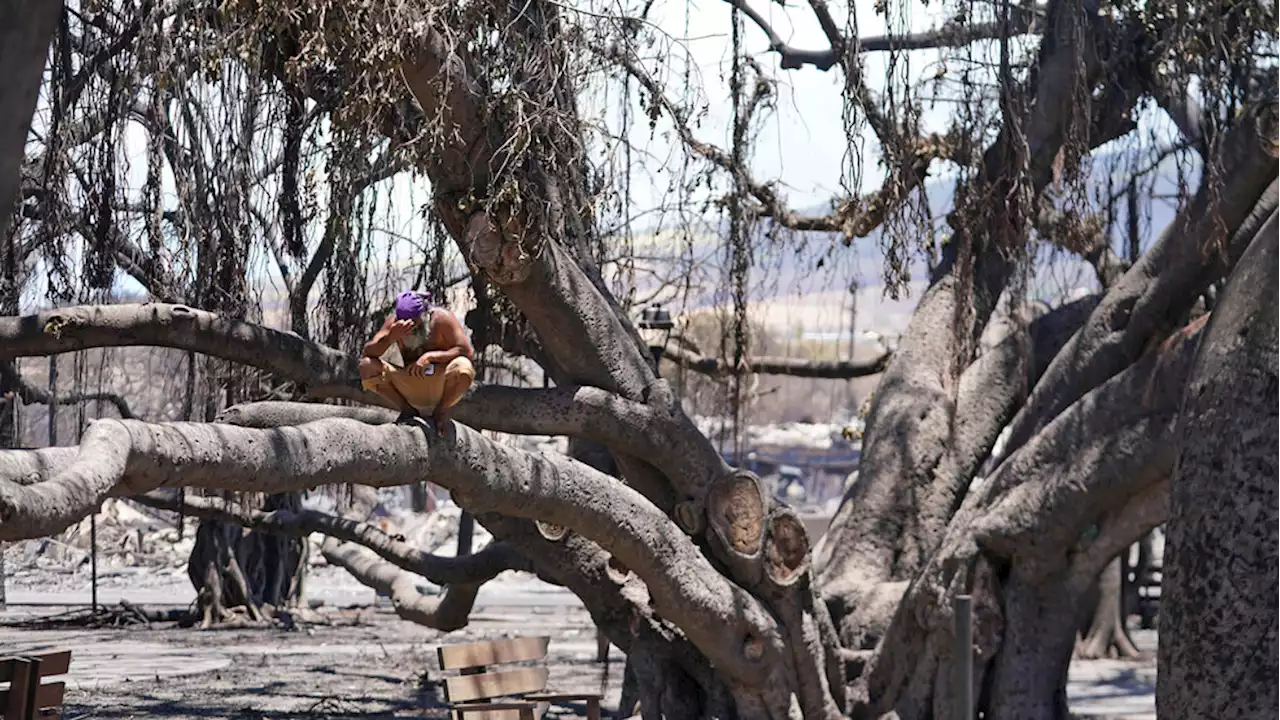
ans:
(420, 360)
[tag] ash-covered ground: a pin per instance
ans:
(361, 661)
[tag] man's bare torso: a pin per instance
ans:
(428, 336)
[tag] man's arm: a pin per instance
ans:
(381, 339)
(454, 341)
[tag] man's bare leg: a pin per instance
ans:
(455, 386)
(370, 369)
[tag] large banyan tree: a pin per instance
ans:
(1013, 470)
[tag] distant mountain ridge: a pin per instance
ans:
(798, 279)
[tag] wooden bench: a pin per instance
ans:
(471, 693)
(26, 697)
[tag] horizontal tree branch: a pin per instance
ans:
(126, 457)
(324, 372)
(952, 34)
(584, 412)
(794, 367)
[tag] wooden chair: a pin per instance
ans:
(524, 686)
(27, 698)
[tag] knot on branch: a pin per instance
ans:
(54, 325)
(495, 242)
(690, 517)
(616, 571)
(551, 531)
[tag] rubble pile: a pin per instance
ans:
(132, 542)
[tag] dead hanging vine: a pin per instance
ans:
(739, 230)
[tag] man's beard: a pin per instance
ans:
(420, 334)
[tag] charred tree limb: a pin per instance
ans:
(447, 612)
(949, 35)
(469, 569)
(988, 394)
(31, 394)
(1220, 568)
(25, 32)
(793, 367)
(1109, 446)
(577, 412)
(326, 372)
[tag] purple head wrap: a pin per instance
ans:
(411, 304)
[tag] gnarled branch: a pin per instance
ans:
(1152, 297)
(448, 612)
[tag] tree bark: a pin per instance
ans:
(1105, 634)
(1218, 617)
(25, 31)
(1015, 546)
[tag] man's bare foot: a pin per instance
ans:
(440, 418)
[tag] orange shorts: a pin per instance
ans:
(424, 392)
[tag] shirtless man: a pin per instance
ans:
(420, 360)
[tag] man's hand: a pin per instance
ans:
(439, 357)
(399, 330)
(421, 366)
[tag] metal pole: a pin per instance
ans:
(963, 605)
(93, 558)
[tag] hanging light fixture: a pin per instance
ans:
(655, 326)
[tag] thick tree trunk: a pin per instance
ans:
(1218, 616)
(25, 31)
(1016, 545)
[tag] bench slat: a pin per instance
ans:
(48, 695)
(495, 711)
(493, 652)
(496, 684)
(56, 662)
(553, 697)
